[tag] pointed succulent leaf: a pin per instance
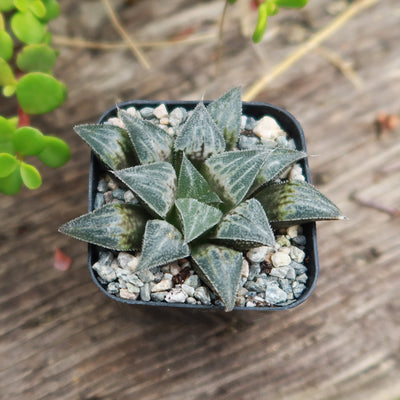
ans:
(153, 183)
(289, 203)
(277, 162)
(221, 268)
(245, 226)
(200, 137)
(226, 112)
(110, 143)
(196, 217)
(191, 184)
(114, 226)
(231, 174)
(162, 243)
(151, 143)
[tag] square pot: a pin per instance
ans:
(256, 110)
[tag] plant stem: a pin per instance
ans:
(23, 118)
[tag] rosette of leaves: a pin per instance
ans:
(26, 63)
(199, 197)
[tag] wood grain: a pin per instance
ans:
(60, 338)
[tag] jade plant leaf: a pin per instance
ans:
(231, 174)
(196, 217)
(114, 226)
(36, 57)
(8, 163)
(7, 5)
(6, 46)
(291, 3)
(55, 153)
(39, 93)
(191, 184)
(38, 8)
(221, 268)
(27, 28)
(154, 184)
(294, 202)
(6, 129)
(226, 112)
(162, 243)
(6, 74)
(30, 176)
(151, 143)
(28, 141)
(245, 226)
(52, 10)
(12, 183)
(110, 143)
(200, 137)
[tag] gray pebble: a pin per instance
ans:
(145, 293)
(299, 268)
(124, 259)
(132, 278)
(254, 270)
(145, 276)
(285, 285)
(102, 186)
(297, 254)
(126, 294)
(158, 276)
(176, 295)
(129, 197)
(158, 296)
(106, 258)
(258, 286)
(99, 201)
(248, 142)
(250, 123)
(300, 240)
(279, 272)
(122, 274)
(108, 197)
(191, 300)
(118, 194)
(193, 281)
(176, 117)
(113, 288)
(189, 290)
(240, 301)
(202, 294)
(257, 254)
(274, 294)
(161, 286)
(298, 289)
(105, 272)
(302, 278)
(147, 112)
(291, 274)
(132, 288)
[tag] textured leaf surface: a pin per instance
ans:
(110, 143)
(154, 184)
(221, 268)
(151, 143)
(114, 226)
(191, 184)
(226, 112)
(196, 217)
(231, 174)
(200, 137)
(294, 202)
(276, 163)
(162, 243)
(245, 226)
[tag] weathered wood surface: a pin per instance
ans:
(62, 339)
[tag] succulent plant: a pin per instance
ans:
(200, 197)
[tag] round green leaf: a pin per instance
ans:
(27, 28)
(8, 163)
(7, 147)
(22, 5)
(30, 176)
(56, 152)
(52, 10)
(6, 129)
(6, 74)
(6, 5)
(39, 93)
(36, 57)
(9, 90)
(6, 45)
(28, 141)
(12, 183)
(38, 8)
(291, 3)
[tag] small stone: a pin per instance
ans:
(282, 240)
(240, 301)
(285, 250)
(116, 122)
(158, 296)
(145, 276)
(145, 293)
(279, 272)
(245, 268)
(285, 285)
(161, 286)
(242, 291)
(167, 275)
(299, 268)
(267, 129)
(158, 276)
(202, 294)
(113, 288)
(248, 142)
(296, 173)
(258, 286)
(250, 123)
(188, 289)
(290, 296)
(118, 194)
(108, 197)
(302, 278)
(176, 295)
(191, 300)
(122, 274)
(291, 274)
(243, 120)
(164, 121)
(298, 289)
(126, 294)
(254, 270)
(257, 254)
(132, 111)
(102, 186)
(160, 111)
(300, 240)
(193, 281)
(99, 201)
(124, 259)
(129, 197)
(122, 284)
(114, 264)
(105, 272)
(297, 254)
(280, 259)
(147, 112)
(132, 288)
(106, 258)
(132, 278)
(293, 231)
(274, 294)
(250, 304)
(281, 141)
(176, 117)
(174, 269)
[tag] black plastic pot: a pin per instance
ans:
(257, 111)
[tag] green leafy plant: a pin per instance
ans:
(26, 62)
(200, 197)
(269, 8)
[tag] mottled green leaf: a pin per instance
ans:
(226, 112)
(200, 137)
(291, 3)
(27, 28)
(114, 226)
(196, 217)
(6, 73)
(162, 243)
(154, 184)
(110, 143)
(276, 163)
(6, 129)
(55, 153)
(245, 226)
(39, 93)
(6, 46)
(12, 183)
(36, 57)
(220, 268)
(151, 143)
(30, 176)
(8, 163)
(28, 141)
(294, 202)
(191, 184)
(231, 174)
